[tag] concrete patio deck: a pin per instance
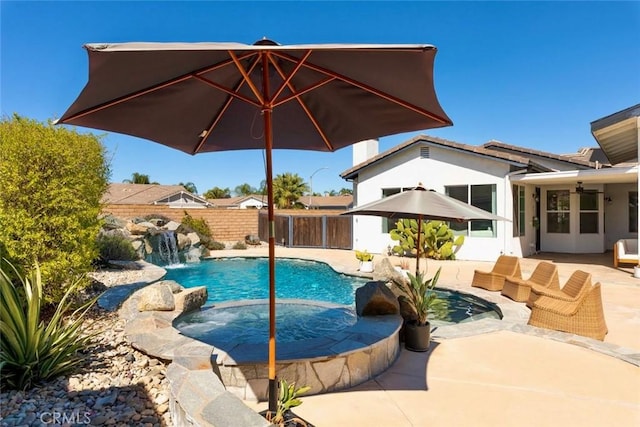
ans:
(511, 376)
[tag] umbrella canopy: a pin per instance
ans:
(420, 204)
(203, 97)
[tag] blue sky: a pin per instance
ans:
(533, 74)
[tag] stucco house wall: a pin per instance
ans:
(444, 167)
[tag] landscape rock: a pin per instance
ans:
(385, 271)
(194, 239)
(156, 297)
(183, 241)
(374, 298)
(190, 299)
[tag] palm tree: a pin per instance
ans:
(287, 189)
(346, 191)
(137, 178)
(244, 190)
(190, 187)
(217, 193)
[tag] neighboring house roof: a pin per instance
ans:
(327, 202)
(515, 159)
(149, 194)
(527, 152)
(235, 202)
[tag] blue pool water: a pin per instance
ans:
(249, 324)
(230, 280)
(234, 279)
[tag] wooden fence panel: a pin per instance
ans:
(307, 231)
(312, 231)
(339, 232)
(281, 228)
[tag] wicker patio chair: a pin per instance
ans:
(493, 280)
(582, 316)
(577, 282)
(544, 275)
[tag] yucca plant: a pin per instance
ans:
(422, 296)
(31, 351)
(288, 398)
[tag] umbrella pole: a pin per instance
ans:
(418, 245)
(268, 139)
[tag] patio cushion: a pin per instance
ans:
(625, 251)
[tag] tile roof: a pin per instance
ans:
(432, 140)
(227, 202)
(493, 144)
(345, 201)
(141, 194)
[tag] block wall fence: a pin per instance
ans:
(226, 225)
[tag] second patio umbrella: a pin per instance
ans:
(420, 204)
(203, 97)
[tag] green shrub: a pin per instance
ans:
(52, 180)
(198, 225)
(239, 245)
(31, 351)
(115, 247)
(215, 246)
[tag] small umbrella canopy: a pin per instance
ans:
(420, 204)
(203, 97)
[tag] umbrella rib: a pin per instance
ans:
(153, 88)
(287, 80)
(301, 92)
(370, 89)
(247, 78)
(302, 104)
(232, 93)
(218, 117)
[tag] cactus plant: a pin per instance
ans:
(436, 240)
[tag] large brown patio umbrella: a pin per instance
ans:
(203, 97)
(419, 203)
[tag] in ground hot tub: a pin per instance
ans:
(322, 345)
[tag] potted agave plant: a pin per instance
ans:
(366, 261)
(421, 296)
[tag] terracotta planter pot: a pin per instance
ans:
(417, 337)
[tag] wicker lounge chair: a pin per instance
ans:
(577, 282)
(545, 275)
(493, 280)
(582, 316)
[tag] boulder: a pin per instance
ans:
(156, 297)
(374, 298)
(183, 241)
(191, 299)
(137, 229)
(385, 271)
(193, 238)
(172, 284)
(172, 225)
(251, 239)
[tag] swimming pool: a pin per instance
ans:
(234, 279)
(237, 279)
